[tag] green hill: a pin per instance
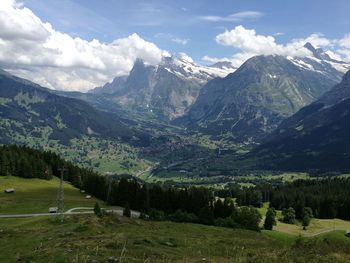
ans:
(37, 195)
(87, 238)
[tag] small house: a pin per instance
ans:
(88, 197)
(53, 210)
(9, 190)
(82, 191)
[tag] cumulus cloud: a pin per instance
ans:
(32, 48)
(236, 60)
(236, 17)
(345, 42)
(249, 41)
(214, 59)
(249, 44)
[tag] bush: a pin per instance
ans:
(97, 210)
(180, 216)
(247, 218)
(206, 216)
(288, 215)
(226, 222)
(156, 215)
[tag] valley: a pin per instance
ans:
(162, 131)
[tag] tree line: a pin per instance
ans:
(327, 198)
(194, 204)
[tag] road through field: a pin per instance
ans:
(117, 211)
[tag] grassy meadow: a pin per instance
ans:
(87, 238)
(36, 195)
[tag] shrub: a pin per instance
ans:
(97, 210)
(247, 218)
(288, 215)
(156, 215)
(180, 216)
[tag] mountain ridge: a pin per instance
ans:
(30, 109)
(316, 136)
(252, 101)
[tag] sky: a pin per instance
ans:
(81, 44)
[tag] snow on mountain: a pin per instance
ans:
(184, 67)
(321, 62)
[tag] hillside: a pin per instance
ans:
(251, 102)
(316, 137)
(88, 238)
(35, 116)
(30, 110)
(37, 195)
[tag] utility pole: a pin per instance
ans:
(60, 196)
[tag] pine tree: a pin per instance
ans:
(270, 219)
(306, 221)
(307, 215)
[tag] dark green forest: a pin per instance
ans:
(194, 204)
(327, 197)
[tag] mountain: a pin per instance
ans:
(251, 102)
(110, 88)
(29, 110)
(165, 90)
(320, 61)
(316, 137)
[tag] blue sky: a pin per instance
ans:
(164, 22)
(81, 44)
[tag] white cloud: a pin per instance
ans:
(181, 41)
(248, 41)
(316, 39)
(345, 42)
(236, 60)
(236, 17)
(249, 44)
(214, 59)
(33, 49)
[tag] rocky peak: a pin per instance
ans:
(317, 52)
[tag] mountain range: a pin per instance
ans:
(285, 103)
(165, 90)
(250, 103)
(317, 136)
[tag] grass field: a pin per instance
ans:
(86, 238)
(36, 196)
(317, 226)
